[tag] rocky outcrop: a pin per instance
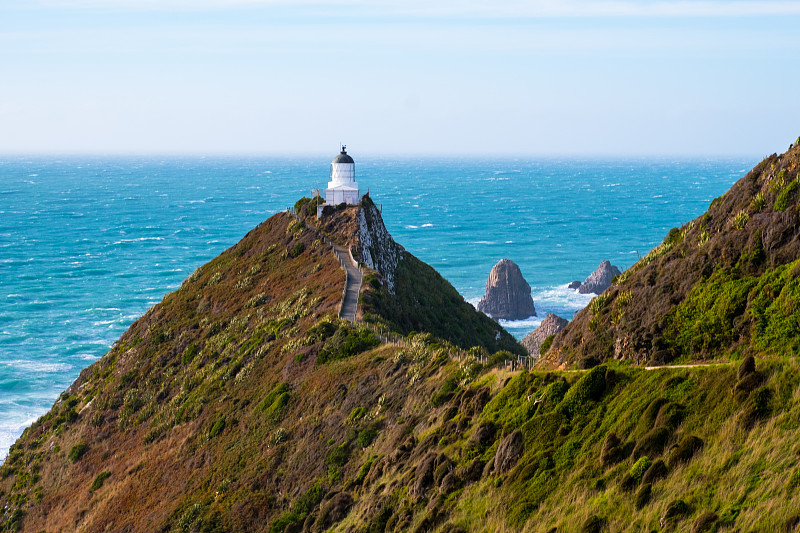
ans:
(599, 280)
(375, 247)
(574, 285)
(551, 325)
(508, 295)
(508, 452)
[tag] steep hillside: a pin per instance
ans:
(726, 283)
(403, 294)
(229, 399)
(241, 404)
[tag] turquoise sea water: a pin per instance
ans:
(87, 244)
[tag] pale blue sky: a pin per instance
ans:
(532, 78)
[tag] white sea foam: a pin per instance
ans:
(427, 225)
(411, 227)
(530, 323)
(11, 429)
(138, 239)
(560, 300)
(38, 366)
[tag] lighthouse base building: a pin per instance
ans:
(342, 187)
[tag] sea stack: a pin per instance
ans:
(508, 295)
(551, 325)
(599, 280)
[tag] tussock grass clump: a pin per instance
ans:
(685, 450)
(657, 470)
(593, 524)
(99, 480)
(705, 522)
(643, 495)
(676, 510)
(652, 443)
(611, 452)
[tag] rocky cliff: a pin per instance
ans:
(375, 247)
(722, 285)
(508, 295)
(599, 280)
(534, 340)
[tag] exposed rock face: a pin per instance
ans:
(509, 452)
(574, 285)
(508, 295)
(551, 325)
(600, 279)
(376, 248)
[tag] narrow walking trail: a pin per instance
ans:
(353, 284)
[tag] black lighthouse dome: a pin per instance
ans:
(343, 157)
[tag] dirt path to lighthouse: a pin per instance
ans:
(353, 284)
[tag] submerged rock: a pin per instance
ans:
(508, 295)
(551, 325)
(600, 279)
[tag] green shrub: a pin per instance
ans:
(301, 508)
(189, 353)
(740, 219)
(597, 304)
(297, 249)
(99, 480)
(786, 195)
(300, 204)
(588, 388)
(347, 342)
(280, 435)
(624, 298)
(640, 467)
(364, 470)
(321, 331)
(366, 436)
(546, 344)
(274, 403)
(338, 456)
(703, 321)
(77, 452)
(217, 428)
(446, 392)
(355, 415)
(758, 202)
(703, 238)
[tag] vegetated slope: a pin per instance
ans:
(402, 293)
(240, 404)
(235, 404)
(726, 282)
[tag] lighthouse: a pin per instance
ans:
(342, 188)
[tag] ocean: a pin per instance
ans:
(88, 244)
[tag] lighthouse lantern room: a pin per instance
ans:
(342, 188)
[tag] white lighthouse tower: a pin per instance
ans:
(342, 188)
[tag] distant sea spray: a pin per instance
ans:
(87, 244)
